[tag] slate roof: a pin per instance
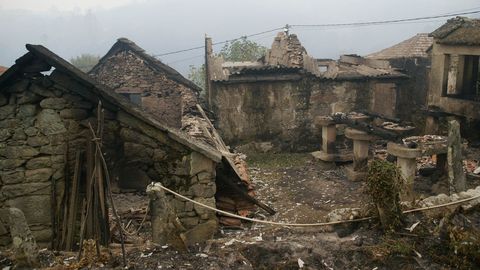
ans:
(124, 44)
(458, 31)
(38, 52)
(416, 46)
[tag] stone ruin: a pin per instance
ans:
(364, 128)
(46, 107)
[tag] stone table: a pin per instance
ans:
(361, 143)
(329, 151)
(427, 145)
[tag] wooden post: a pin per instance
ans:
(208, 54)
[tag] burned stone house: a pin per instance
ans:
(277, 98)
(411, 57)
(165, 93)
(146, 81)
(46, 109)
(455, 75)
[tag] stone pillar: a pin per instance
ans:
(407, 163)
(24, 246)
(431, 125)
(456, 174)
(166, 227)
(329, 135)
(361, 144)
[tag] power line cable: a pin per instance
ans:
(386, 21)
(287, 27)
(220, 42)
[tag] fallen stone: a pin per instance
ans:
(24, 246)
(166, 228)
(201, 233)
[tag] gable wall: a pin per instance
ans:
(162, 96)
(44, 122)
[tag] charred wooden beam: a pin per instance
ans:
(366, 127)
(229, 182)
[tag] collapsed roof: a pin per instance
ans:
(458, 31)
(124, 44)
(287, 56)
(42, 56)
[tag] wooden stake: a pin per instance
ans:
(73, 204)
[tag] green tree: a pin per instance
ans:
(85, 62)
(197, 75)
(242, 50)
(238, 50)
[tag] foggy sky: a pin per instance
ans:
(70, 28)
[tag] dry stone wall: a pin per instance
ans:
(44, 122)
(165, 98)
(283, 112)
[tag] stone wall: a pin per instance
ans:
(44, 122)
(413, 92)
(165, 98)
(282, 112)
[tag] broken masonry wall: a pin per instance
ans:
(125, 72)
(42, 118)
(463, 109)
(438, 80)
(283, 112)
(412, 96)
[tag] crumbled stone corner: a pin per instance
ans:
(443, 199)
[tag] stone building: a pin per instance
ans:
(165, 93)
(455, 75)
(277, 98)
(412, 58)
(146, 81)
(46, 107)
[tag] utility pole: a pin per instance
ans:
(208, 54)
